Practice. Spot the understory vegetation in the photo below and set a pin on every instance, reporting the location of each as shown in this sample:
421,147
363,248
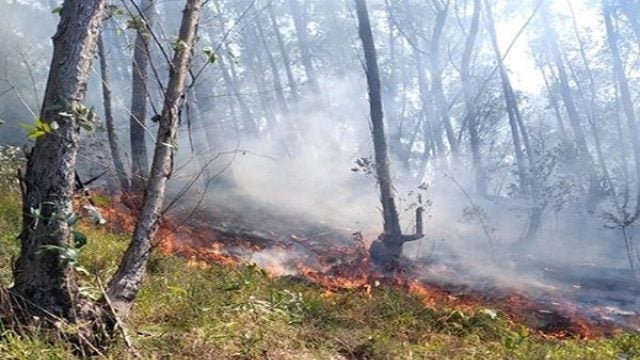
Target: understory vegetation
206,311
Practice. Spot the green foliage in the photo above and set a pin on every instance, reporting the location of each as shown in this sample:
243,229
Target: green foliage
39,128
57,10
86,117
136,23
178,45
210,54
114,10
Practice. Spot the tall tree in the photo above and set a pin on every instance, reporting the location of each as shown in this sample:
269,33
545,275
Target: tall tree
140,96
114,146
439,99
386,251
284,52
626,99
551,39
43,279
127,280
469,100
303,44
511,102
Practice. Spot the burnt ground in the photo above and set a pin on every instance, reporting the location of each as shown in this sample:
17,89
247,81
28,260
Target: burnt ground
575,301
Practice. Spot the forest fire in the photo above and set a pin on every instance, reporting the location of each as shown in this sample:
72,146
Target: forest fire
337,267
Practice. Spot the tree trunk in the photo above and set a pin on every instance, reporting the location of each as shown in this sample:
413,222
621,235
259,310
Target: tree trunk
570,106
126,282
285,54
43,279
116,155
303,43
139,98
439,98
469,101
625,96
387,250
511,103
275,72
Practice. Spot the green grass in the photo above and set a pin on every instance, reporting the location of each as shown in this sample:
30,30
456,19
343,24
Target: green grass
184,312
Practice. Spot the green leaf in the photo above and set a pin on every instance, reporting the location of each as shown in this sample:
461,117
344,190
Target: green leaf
210,54
38,129
178,45
57,10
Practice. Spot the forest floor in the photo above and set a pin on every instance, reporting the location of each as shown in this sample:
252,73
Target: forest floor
189,309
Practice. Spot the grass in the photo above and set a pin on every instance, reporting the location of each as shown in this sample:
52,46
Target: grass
216,312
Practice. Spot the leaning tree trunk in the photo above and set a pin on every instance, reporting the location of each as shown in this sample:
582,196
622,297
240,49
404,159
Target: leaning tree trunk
126,282
139,97
386,251
43,279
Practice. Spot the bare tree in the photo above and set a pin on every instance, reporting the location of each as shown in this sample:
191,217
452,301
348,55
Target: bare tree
116,155
385,251
303,44
127,280
469,100
139,98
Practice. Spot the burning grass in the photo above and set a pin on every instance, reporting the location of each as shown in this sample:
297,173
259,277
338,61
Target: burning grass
196,307
343,264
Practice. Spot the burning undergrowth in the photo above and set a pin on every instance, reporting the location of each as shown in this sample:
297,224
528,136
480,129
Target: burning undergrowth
338,259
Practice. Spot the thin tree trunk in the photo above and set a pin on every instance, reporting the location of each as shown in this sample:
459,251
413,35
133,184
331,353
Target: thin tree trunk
439,98
513,110
567,98
275,72
285,54
116,155
139,98
385,252
43,279
469,101
127,280
303,43
625,96
593,116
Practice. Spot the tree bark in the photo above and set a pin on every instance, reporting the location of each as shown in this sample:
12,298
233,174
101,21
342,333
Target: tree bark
43,278
127,280
139,98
